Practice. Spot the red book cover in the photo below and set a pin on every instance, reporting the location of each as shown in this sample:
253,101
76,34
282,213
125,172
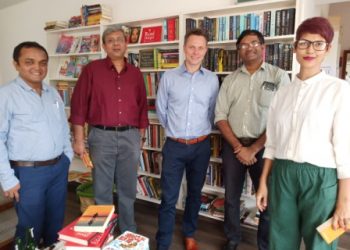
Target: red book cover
93,246
85,238
151,34
171,29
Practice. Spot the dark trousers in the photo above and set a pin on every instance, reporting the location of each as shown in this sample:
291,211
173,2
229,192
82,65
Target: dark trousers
234,176
177,158
42,199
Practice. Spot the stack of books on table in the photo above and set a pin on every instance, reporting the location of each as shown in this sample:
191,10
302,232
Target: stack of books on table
92,230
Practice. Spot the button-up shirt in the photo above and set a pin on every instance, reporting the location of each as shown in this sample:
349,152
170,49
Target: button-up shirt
32,127
309,121
244,98
186,101
105,97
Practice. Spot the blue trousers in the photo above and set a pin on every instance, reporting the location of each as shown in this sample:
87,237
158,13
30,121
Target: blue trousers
177,158
234,176
42,199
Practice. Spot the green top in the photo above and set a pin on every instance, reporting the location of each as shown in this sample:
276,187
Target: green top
244,99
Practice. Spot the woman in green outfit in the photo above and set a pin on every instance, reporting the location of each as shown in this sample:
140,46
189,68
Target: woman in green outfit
306,175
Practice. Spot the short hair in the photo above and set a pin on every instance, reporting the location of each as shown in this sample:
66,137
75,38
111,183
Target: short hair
111,30
196,32
28,44
316,25
249,33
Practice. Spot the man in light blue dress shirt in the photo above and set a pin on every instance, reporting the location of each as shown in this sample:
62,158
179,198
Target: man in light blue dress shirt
185,107
35,148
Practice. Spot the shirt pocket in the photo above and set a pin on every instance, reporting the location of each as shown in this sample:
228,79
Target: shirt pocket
265,97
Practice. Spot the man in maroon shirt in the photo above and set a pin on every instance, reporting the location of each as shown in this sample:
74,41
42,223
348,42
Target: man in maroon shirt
110,96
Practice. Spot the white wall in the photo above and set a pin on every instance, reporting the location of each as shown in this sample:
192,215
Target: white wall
342,10
25,21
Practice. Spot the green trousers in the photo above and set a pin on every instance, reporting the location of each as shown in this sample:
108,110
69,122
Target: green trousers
301,197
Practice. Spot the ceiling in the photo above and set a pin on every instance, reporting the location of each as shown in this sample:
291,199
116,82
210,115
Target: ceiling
7,3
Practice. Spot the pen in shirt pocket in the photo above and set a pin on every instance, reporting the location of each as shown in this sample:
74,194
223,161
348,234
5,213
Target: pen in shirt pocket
56,103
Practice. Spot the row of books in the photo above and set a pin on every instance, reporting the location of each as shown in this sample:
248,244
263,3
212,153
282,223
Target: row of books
158,58
226,60
151,161
71,67
149,187
55,25
78,44
95,14
66,91
214,176
155,136
215,145
152,80
269,23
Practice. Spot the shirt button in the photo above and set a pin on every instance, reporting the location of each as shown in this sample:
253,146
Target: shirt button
120,112
119,88
119,100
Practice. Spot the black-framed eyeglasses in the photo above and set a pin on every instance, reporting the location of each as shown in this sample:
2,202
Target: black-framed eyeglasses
305,44
247,45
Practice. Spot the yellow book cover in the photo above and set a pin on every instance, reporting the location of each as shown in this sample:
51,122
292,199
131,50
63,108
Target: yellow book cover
95,219
328,233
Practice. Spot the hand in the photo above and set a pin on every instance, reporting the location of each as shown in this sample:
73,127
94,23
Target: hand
142,142
246,156
13,192
79,148
341,216
261,197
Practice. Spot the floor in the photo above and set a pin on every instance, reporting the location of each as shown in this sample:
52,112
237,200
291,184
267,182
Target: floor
209,234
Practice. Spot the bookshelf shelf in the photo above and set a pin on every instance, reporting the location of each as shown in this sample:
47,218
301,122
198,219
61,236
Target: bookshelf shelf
215,159
146,198
208,188
155,44
75,29
64,79
75,54
152,149
152,70
140,172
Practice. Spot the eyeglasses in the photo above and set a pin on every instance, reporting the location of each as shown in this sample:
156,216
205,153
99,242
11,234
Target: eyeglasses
305,44
117,40
247,45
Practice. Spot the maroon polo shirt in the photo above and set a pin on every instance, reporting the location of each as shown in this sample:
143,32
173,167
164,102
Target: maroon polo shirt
102,96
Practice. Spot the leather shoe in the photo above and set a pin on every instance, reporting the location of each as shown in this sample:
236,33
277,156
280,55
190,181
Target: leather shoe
190,244
230,246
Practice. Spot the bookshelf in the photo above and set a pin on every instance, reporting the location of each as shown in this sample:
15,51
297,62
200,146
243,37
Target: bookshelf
220,41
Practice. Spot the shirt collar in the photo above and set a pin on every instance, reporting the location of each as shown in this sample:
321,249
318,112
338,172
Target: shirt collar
183,69
244,69
111,65
311,80
19,80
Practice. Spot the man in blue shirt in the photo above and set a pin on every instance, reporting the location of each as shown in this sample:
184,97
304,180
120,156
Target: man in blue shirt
185,106
35,148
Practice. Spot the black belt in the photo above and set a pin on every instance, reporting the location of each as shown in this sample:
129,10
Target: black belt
35,163
246,141
119,129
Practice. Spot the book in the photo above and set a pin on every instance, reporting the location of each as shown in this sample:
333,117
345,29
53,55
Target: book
130,241
92,246
134,34
95,218
64,44
151,34
328,233
86,238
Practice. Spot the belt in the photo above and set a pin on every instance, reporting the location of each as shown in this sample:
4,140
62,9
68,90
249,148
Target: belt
34,163
246,141
119,129
190,141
